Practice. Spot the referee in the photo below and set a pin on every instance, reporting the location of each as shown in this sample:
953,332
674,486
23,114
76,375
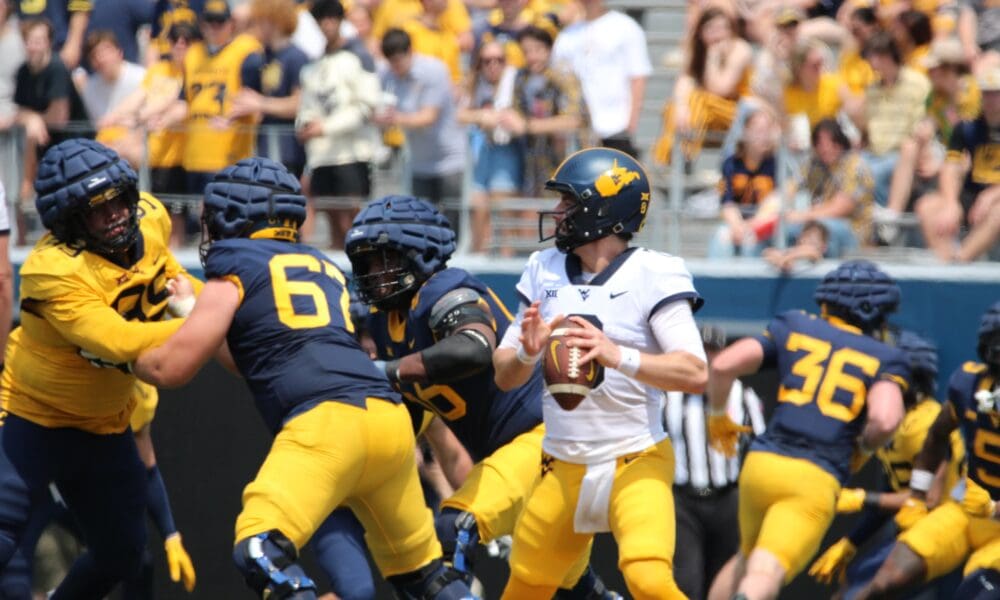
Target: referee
705,494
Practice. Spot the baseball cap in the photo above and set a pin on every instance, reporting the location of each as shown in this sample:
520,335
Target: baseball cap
946,51
989,80
216,10
789,15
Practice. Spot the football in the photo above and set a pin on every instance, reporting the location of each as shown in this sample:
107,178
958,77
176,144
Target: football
567,379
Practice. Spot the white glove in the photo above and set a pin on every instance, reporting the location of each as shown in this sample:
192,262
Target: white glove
182,298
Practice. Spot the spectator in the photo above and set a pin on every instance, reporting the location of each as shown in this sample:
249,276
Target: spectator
979,30
339,98
124,18
167,13
612,73
497,155
705,480
911,31
144,113
811,245
705,97
748,180
213,72
12,49
393,14
954,97
67,20
426,111
329,15
270,92
967,200
502,25
547,108
46,102
811,90
839,190
862,24
893,106
112,80
361,17
430,38
770,66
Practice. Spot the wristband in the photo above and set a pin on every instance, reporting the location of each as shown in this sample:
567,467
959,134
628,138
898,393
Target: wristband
629,363
920,480
872,499
392,371
527,359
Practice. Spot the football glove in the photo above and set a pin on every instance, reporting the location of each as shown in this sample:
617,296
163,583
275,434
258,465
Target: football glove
850,500
181,567
831,566
912,511
977,503
182,298
724,434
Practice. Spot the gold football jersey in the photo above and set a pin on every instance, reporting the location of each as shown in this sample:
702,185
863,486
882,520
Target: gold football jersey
73,300
897,457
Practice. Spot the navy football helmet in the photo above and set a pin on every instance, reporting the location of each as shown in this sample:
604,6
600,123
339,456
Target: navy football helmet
610,192
257,197
77,175
860,293
923,357
395,244
988,346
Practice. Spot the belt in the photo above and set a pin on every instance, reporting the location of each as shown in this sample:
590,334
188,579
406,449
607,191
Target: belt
706,492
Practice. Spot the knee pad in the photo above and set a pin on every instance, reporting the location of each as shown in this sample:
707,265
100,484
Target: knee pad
267,561
981,584
588,587
433,581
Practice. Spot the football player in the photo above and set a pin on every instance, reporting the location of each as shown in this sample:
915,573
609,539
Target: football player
973,409
608,464
95,286
926,549
434,329
840,395
342,435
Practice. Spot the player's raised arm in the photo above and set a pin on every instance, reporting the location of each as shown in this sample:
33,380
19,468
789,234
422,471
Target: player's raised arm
885,412
521,348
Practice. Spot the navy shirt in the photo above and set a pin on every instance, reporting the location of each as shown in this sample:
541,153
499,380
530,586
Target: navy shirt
482,416
276,75
292,337
979,431
123,18
825,371
58,13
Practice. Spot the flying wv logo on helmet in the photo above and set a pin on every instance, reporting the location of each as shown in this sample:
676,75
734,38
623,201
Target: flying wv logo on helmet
609,194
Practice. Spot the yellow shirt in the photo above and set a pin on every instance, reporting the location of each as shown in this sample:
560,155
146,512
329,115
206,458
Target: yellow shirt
442,45
396,13
821,103
166,148
73,300
897,457
210,81
855,71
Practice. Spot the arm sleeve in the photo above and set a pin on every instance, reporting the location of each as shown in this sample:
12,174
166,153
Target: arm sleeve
159,502
60,85
957,143
250,71
770,347
675,329
726,183
21,87
80,6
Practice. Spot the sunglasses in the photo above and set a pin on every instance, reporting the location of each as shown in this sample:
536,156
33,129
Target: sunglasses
492,59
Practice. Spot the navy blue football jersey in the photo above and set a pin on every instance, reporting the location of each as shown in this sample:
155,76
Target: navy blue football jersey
980,430
292,337
482,416
825,369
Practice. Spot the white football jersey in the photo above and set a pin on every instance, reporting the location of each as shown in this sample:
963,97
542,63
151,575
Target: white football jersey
621,415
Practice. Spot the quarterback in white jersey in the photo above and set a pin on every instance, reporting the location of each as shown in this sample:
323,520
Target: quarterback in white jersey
608,465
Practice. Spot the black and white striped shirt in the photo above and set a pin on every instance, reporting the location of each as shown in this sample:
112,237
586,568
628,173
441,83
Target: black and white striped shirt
698,465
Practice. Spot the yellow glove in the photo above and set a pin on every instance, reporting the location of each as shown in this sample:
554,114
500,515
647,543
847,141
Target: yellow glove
723,434
912,511
850,500
977,502
830,567
179,562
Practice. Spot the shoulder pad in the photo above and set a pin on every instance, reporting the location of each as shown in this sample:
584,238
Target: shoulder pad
448,302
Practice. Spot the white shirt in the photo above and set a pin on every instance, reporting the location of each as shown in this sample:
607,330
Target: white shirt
100,96
642,302
605,55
